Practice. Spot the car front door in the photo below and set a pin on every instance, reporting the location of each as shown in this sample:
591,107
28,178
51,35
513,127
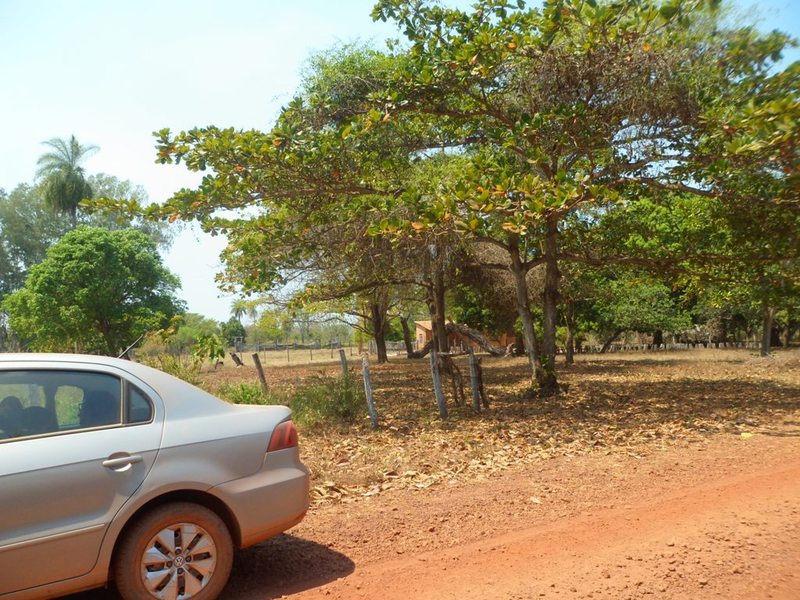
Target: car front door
61,485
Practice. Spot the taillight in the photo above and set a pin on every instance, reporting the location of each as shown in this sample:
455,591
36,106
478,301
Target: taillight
284,436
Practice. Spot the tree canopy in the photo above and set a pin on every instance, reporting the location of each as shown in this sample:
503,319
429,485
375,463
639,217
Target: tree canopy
551,135
96,291
63,177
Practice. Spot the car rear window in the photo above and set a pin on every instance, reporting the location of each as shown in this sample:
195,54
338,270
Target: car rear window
140,409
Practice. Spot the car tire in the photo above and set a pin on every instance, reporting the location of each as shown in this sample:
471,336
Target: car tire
178,551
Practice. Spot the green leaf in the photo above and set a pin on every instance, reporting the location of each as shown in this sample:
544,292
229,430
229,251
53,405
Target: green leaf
668,11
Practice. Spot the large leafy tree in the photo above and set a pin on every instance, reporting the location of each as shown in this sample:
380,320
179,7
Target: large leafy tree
326,196
28,227
573,105
561,107
544,113
63,177
96,291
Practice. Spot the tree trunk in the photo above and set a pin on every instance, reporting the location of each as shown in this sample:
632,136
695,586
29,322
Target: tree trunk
524,311
569,346
767,315
610,341
476,337
775,336
438,318
378,318
519,344
550,296
658,338
422,352
407,336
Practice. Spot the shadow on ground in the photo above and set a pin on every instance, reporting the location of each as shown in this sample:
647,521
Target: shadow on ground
283,565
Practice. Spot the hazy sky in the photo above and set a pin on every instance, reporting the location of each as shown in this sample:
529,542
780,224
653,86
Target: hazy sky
112,72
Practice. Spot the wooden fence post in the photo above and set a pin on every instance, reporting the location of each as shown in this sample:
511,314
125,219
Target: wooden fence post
373,416
437,385
343,358
260,371
473,380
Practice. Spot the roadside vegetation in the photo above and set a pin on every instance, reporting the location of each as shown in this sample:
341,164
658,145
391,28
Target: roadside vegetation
577,176
627,403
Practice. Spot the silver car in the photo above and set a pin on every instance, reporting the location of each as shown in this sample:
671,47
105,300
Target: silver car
111,471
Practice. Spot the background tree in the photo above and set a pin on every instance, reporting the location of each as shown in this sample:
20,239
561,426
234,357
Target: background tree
27,229
273,325
726,253
232,332
96,291
190,328
28,226
63,178
627,300
123,190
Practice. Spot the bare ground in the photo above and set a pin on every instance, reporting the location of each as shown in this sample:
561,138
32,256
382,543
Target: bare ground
712,520
658,476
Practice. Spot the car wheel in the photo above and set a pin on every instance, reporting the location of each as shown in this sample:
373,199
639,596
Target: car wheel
175,552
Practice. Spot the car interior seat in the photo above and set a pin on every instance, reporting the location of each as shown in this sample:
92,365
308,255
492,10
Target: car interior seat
37,419
11,416
99,408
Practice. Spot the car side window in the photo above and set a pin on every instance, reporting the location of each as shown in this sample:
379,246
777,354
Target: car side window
38,402
140,409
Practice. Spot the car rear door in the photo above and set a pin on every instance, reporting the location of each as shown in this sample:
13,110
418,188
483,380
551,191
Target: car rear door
60,488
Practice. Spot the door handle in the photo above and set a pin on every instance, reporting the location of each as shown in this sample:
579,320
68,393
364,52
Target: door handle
122,463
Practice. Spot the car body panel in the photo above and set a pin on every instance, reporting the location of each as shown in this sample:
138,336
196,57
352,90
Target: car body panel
195,443
63,500
271,500
56,496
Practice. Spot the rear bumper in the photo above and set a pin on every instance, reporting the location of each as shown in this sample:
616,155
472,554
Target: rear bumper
269,501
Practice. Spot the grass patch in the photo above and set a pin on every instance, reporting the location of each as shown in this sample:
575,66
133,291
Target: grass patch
325,400
320,401
243,393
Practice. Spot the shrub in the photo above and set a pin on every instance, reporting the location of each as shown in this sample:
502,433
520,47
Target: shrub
322,401
328,400
244,393
208,346
182,367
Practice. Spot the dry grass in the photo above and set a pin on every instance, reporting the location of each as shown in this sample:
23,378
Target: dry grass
632,403
295,358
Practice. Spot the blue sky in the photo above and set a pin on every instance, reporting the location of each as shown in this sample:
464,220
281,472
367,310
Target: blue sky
113,72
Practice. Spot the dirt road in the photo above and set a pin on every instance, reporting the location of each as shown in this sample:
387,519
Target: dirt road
674,476
711,519
715,518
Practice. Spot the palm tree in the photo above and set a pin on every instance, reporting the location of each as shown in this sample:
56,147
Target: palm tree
242,307
63,176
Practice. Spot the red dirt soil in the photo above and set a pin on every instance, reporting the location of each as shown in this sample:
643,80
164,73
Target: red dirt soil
716,519
665,477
